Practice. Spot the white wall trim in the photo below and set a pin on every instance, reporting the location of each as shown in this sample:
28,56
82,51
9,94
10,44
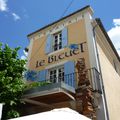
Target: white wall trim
29,52
91,42
56,28
56,64
93,58
54,52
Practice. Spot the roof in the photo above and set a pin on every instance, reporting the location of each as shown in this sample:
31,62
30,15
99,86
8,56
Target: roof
59,20
106,35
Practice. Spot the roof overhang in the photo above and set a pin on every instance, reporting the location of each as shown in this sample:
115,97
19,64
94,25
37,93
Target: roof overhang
97,22
84,9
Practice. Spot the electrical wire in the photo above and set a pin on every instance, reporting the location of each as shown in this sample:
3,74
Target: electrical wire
67,8
54,27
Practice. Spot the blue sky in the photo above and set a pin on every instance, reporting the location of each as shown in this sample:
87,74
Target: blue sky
18,18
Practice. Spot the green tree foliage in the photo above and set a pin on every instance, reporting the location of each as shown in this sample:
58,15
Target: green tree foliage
11,80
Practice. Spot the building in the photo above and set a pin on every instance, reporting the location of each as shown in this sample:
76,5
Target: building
76,65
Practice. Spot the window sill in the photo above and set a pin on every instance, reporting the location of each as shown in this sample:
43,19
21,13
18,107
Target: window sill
54,52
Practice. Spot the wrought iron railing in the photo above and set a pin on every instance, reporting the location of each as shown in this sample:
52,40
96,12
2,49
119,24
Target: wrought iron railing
56,47
95,79
71,79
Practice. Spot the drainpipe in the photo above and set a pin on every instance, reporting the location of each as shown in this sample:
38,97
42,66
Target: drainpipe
101,80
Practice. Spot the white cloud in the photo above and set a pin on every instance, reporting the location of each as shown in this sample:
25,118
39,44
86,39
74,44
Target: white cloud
4,8
3,5
25,13
23,57
15,16
25,53
114,34
116,22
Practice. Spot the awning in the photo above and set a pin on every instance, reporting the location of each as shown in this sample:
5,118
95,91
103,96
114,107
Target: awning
56,114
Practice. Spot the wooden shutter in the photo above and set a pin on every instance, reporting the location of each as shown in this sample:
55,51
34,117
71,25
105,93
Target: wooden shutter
69,71
31,75
48,44
64,37
42,75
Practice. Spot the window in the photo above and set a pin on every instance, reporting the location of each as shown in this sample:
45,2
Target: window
56,74
57,41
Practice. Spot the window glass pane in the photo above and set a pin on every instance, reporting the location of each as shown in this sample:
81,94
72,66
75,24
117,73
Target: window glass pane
60,35
56,37
54,71
60,43
57,43
51,72
61,74
60,47
57,74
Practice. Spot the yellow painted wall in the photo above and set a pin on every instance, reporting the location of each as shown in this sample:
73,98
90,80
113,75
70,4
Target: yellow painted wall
76,34
108,51
38,52
111,81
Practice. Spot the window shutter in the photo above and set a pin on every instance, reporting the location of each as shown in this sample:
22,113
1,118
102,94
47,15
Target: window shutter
31,75
64,37
69,71
48,44
42,75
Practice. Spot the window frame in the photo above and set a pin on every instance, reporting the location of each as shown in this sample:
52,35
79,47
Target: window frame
57,41
56,77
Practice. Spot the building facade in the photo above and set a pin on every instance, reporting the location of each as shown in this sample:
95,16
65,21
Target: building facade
74,64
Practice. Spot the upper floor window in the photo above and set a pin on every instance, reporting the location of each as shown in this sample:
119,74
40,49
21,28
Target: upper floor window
57,41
